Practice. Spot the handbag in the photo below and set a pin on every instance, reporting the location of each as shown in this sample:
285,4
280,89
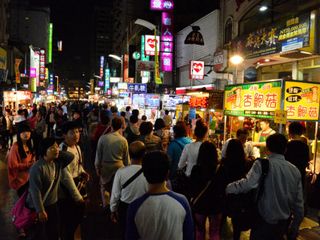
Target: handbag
243,208
23,217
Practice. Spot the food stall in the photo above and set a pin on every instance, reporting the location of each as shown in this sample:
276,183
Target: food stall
12,99
280,101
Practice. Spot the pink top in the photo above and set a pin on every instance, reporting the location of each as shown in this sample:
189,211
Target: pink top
18,169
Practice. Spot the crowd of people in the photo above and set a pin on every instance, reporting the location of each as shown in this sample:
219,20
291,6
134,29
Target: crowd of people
154,184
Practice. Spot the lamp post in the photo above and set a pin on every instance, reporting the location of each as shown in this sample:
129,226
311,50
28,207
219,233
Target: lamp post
236,60
119,59
151,27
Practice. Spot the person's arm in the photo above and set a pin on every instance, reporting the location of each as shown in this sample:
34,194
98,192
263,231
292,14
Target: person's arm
184,158
131,228
298,212
251,181
68,183
65,158
35,186
188,229
99,152
126,158
116,193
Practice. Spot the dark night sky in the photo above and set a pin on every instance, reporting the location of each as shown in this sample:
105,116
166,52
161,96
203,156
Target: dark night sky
72,19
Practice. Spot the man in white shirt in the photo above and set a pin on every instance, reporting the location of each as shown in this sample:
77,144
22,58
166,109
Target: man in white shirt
129,184
71,214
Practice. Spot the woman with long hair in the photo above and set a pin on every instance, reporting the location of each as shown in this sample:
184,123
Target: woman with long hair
190,152
208,190
20,159
234,167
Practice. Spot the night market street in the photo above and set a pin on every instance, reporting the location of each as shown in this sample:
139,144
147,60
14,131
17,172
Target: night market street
97,225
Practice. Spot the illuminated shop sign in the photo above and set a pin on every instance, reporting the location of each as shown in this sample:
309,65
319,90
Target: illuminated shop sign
161,5
302,100
197,70
294,33
253,100
150,45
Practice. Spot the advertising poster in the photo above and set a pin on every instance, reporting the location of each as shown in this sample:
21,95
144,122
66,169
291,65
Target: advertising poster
284,36
253,100
302,100
152,101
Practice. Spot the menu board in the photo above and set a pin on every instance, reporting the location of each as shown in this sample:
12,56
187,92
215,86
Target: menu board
302,100
258,99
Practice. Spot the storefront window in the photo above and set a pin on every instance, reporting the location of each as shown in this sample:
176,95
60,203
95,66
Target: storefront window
277,9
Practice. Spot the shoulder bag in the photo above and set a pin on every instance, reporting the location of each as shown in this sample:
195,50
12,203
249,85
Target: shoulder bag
23,217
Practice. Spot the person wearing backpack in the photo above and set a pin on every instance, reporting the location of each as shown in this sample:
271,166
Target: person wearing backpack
129,184
176,146
281,196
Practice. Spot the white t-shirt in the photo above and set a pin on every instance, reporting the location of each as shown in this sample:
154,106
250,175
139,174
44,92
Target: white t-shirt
75,167
135,189
249,150
162,216
189,156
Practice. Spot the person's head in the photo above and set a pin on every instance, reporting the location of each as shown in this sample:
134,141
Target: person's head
207,159
23,132
166,112
24,138
295,129
144,118
200,130
71,134
145,128
159,124
135,112
116,123
134,119
264,125
277,143
242,135
49,149
114,110
76,115
297,152
235,156
180,130
104,118
128,108
34,112
155,167
123,114
137,150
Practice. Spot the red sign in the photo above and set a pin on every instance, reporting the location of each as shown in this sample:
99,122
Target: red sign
126,68
198,102
197,70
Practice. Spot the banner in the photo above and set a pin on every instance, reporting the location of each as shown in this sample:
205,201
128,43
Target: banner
283,36
253,100
16,68
302,100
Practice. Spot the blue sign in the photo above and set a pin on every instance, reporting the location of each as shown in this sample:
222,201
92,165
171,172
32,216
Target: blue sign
192,113
292,44
137,88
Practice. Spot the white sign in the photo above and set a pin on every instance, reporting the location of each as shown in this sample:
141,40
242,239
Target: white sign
115,79
150,45
197,70
123,85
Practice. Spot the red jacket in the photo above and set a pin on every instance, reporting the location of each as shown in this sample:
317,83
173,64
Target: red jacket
18,169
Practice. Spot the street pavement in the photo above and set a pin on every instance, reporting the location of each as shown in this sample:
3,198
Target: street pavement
96,224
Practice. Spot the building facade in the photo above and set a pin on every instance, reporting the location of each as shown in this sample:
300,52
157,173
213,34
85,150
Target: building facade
277,39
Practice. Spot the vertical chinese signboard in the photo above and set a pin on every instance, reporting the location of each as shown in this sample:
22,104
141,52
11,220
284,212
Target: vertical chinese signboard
253,100
302,100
